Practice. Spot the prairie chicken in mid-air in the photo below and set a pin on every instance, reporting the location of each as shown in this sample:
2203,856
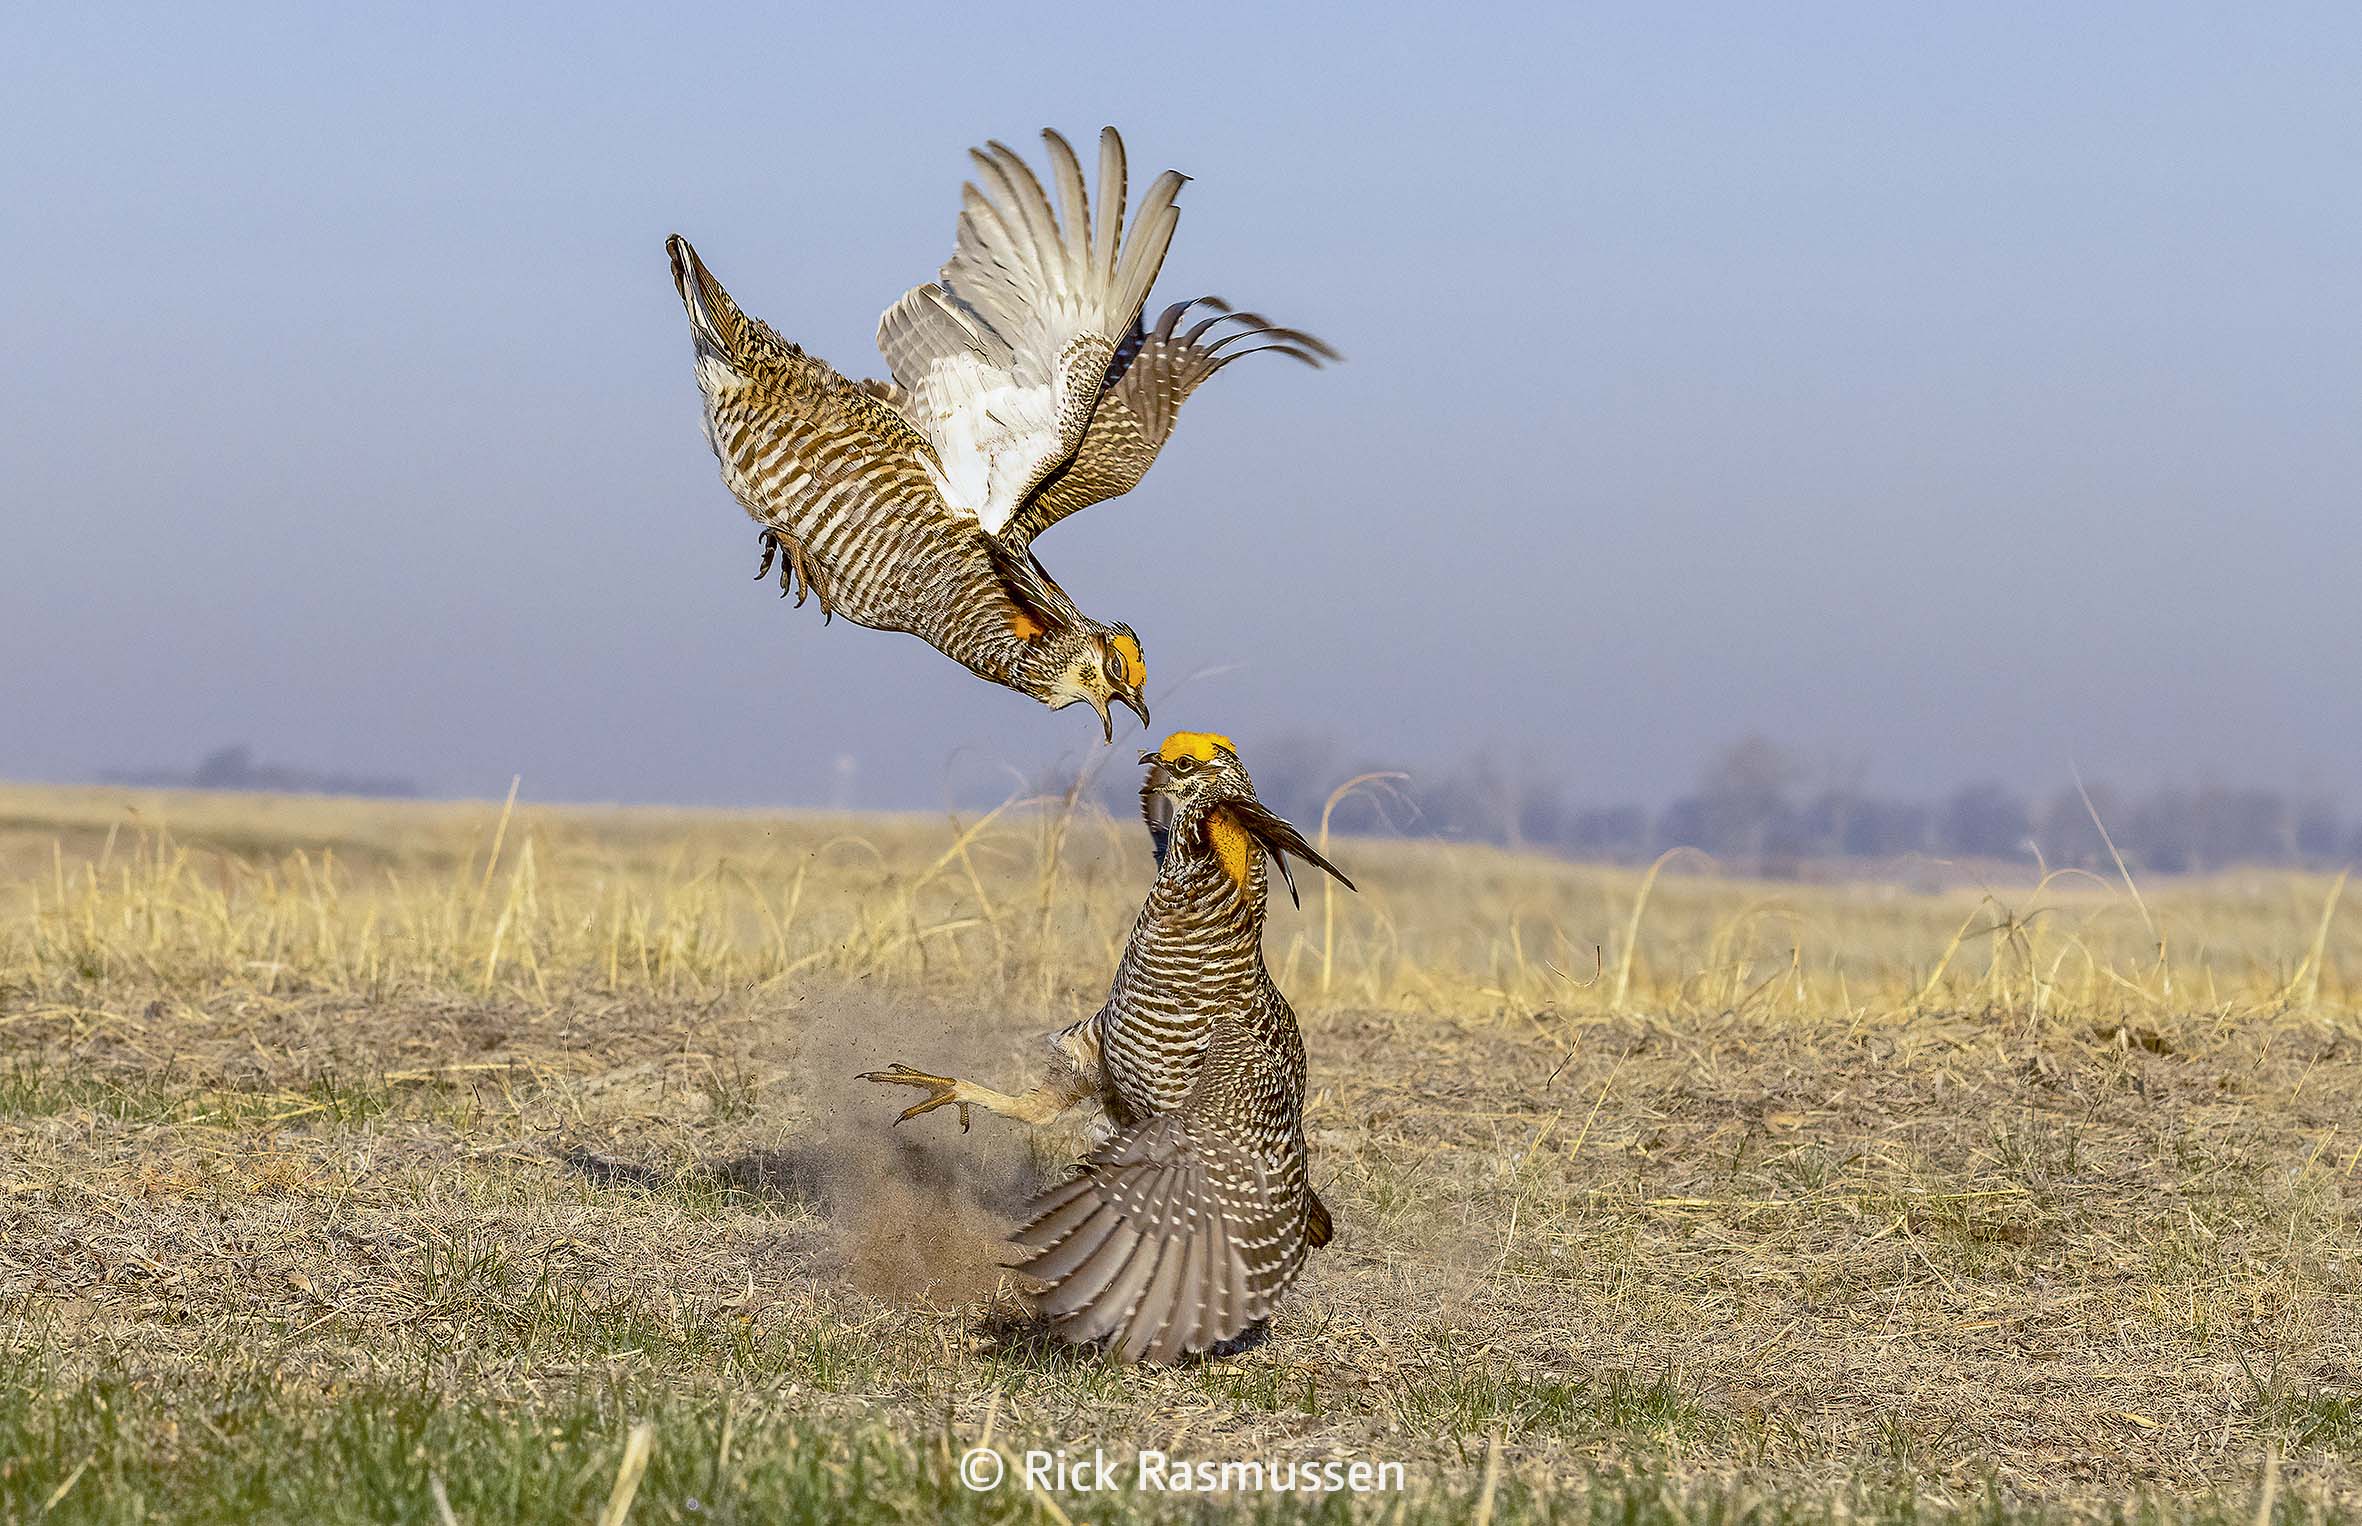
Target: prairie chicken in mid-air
1025,387
1183,1229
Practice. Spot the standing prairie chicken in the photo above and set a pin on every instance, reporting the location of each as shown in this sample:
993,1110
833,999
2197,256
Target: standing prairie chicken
1183,1229
1025,387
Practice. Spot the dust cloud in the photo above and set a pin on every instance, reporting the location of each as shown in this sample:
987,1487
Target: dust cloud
919,1213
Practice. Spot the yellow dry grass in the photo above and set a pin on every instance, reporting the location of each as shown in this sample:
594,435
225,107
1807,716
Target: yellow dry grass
189,892
2046,1188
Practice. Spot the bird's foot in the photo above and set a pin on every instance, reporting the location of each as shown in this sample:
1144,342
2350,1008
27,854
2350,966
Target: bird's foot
790,558
945,1092
795,571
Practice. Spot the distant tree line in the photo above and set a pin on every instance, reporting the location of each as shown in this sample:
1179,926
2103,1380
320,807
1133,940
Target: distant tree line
1758,806
235,768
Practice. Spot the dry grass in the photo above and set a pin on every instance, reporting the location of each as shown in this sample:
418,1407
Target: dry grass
494,1131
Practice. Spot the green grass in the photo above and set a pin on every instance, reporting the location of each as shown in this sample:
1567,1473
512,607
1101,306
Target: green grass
35,1086
261,1447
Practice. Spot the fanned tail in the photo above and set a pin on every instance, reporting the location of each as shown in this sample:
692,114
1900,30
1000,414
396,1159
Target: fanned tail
1167,1243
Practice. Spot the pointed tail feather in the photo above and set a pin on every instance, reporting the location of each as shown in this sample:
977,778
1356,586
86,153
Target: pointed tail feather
1319,1228
714,319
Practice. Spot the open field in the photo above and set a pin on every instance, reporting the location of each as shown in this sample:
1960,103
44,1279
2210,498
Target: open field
356,1158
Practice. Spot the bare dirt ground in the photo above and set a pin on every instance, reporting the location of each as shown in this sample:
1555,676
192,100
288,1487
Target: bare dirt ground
1830,1208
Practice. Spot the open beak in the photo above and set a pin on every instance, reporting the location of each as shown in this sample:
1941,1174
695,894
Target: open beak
1129,700
1281,841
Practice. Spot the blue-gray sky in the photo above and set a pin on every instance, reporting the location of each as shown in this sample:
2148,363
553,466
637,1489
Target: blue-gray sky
1966,390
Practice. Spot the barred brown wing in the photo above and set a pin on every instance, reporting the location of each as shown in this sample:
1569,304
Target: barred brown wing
1154,372
845,484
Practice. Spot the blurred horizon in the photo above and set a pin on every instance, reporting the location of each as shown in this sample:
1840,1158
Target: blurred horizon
1943,397
1753,806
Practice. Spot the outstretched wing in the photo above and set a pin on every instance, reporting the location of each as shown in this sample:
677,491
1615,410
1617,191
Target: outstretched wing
1002,359
842,486
1154,372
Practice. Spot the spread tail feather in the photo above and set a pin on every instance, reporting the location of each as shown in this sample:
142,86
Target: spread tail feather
1167,1243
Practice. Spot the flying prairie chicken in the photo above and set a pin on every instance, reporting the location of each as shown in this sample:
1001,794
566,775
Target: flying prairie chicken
1180,1232
1025,387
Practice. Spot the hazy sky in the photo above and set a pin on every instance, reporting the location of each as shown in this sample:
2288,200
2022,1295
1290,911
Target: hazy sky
1961,391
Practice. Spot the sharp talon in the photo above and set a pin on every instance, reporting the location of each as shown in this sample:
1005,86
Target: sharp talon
941,1089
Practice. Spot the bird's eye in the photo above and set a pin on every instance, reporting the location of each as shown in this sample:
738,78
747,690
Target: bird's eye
1184,765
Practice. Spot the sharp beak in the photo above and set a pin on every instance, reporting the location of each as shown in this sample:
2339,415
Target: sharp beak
1138,705
1106,721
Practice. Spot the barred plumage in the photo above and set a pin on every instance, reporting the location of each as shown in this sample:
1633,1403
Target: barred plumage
1025,387
840,482
1182,1231
1154,371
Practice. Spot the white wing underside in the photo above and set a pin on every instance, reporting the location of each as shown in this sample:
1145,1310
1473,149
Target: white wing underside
1003,358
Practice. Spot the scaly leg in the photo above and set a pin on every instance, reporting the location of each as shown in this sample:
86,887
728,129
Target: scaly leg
1057,1093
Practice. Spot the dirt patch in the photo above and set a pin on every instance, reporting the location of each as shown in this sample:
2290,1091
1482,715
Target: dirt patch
920,1211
